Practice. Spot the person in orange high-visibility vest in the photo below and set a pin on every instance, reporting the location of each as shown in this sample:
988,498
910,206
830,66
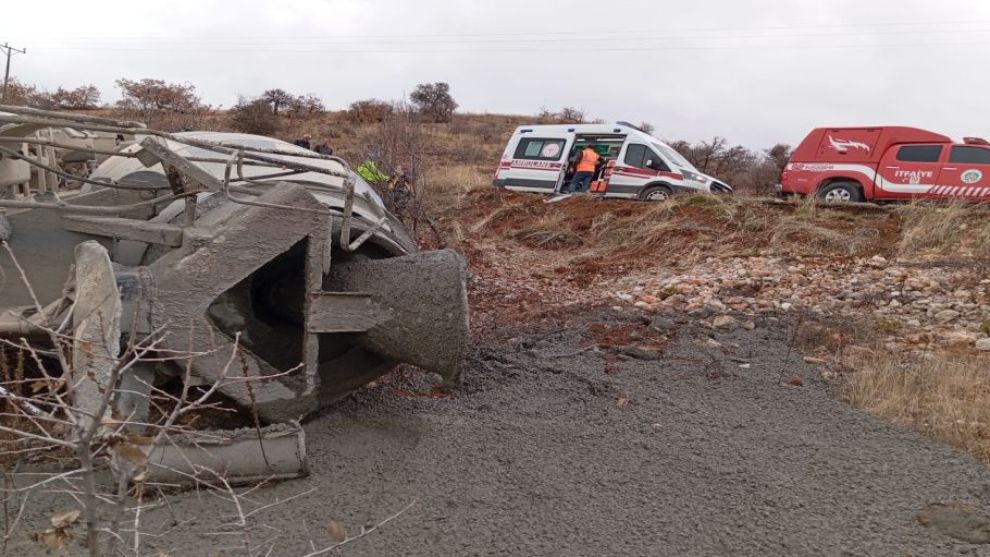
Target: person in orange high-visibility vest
586,163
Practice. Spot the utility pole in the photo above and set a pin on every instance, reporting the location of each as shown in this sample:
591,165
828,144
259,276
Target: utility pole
9,50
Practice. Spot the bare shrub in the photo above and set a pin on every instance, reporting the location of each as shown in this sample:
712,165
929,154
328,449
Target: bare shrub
146,95
85,97
370,111
305,106
253,116
398,150
434,102
746,170
277,99
166,106
571,115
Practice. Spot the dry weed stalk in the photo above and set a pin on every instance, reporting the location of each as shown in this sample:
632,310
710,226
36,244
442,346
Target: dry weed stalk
51,427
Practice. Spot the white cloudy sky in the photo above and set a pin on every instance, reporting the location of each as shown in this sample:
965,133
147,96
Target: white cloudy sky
755,71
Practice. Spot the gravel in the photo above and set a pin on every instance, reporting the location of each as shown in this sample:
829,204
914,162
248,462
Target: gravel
930,304
707,451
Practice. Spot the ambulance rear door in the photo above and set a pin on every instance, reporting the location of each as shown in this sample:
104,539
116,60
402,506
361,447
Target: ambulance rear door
537,164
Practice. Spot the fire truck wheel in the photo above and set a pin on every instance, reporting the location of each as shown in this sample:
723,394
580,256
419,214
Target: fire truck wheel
656,193
840,192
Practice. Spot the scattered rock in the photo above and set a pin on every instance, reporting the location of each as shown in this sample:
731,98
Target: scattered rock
724,322
638,353
931,300
946,316
983,345
663,324
878,262
794,381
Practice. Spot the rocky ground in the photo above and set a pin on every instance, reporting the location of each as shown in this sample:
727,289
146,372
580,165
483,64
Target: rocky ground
918,306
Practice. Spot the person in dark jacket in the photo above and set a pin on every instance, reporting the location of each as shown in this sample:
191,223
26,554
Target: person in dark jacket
304,142
324,147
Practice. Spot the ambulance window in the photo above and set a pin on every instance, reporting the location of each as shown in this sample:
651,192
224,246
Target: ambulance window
640,155
636,155
970,155
919,153
534,148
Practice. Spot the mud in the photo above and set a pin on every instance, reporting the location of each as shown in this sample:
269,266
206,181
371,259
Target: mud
554,447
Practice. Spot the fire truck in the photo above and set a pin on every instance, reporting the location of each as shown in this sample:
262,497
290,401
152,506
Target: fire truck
887,164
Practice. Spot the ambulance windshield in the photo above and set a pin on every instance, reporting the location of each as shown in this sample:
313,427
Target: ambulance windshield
674,157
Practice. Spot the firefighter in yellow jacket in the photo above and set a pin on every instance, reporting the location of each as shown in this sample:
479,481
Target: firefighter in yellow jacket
586,163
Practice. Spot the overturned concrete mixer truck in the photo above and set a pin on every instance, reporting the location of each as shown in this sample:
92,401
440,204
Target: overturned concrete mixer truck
224,247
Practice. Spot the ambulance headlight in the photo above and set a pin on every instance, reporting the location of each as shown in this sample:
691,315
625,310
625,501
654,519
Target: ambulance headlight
694,177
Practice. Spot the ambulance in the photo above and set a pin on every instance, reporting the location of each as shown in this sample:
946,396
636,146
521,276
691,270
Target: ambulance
887,164
638,165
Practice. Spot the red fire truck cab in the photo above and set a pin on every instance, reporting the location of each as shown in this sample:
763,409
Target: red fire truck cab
887,164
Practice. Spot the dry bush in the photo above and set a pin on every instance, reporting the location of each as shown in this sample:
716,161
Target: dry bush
155,94
277,99
443,187
946,397
549,232
948,229
370,111
718,206
566,115
305,106
84,97
434,102
253,116
806,236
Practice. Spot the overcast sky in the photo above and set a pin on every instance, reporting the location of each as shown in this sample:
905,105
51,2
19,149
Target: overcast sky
755,71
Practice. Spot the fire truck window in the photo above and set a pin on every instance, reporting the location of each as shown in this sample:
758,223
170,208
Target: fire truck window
970,155
919,153
636,155
533,148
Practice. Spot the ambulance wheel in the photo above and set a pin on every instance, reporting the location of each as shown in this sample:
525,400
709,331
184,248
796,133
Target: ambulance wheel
656,193
841,192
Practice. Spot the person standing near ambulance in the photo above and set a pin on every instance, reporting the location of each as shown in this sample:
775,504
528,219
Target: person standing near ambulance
586,163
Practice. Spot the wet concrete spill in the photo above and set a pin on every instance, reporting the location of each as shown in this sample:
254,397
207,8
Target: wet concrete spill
562,443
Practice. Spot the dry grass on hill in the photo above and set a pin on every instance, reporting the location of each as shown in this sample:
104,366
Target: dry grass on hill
945,396
637,234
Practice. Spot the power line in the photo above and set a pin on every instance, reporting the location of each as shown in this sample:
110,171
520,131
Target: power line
9,51
509,49
192,43
502,43
926,25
